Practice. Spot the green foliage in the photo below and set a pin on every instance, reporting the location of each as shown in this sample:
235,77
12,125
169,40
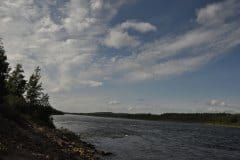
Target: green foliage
13,104
16,81
35,94
215,118
44,101
15,101
3,72
34,87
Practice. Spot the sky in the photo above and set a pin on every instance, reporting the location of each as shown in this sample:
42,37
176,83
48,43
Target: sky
133,56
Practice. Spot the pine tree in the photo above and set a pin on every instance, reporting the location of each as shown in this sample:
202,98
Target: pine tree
3,72
16,81
34,88
44,101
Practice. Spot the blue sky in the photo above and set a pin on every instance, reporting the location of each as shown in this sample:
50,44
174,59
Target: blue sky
129,55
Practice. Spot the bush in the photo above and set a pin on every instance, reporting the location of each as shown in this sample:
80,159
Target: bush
9,112
16,101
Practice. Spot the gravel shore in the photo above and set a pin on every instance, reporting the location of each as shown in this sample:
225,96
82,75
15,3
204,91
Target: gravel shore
29,141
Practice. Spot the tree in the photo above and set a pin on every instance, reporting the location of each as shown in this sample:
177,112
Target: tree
34,87
3,72
44,101
16,81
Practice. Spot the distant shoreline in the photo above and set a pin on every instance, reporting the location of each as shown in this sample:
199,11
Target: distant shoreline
223,125
213,119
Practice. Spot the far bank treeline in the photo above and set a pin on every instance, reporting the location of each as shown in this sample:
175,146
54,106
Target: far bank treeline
210,118
20,97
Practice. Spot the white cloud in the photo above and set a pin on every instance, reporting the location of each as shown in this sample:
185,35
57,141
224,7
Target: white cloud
118,39
215,109
69,45
96,4
186,52
216,102
113,102
217,13
130,109
118,36
142,27
95,83
61,38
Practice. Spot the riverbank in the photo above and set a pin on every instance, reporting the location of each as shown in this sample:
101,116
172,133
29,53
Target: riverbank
223,125
216,119
26,140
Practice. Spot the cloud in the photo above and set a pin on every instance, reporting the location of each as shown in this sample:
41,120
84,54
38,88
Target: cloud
95,83
215,109
130,108
138,72
217,13
64,39
61,37
113,102
215,102
118,39
142,27
118,36
66,44
186,52
96,4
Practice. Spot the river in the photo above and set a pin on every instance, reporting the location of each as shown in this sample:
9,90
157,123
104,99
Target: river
153,140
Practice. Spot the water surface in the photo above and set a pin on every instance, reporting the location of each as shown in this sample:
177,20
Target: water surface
154,140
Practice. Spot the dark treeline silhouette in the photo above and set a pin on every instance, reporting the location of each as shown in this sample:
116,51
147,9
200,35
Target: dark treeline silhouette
214,118
22,98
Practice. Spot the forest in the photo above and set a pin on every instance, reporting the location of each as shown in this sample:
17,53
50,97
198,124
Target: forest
21,98
210,118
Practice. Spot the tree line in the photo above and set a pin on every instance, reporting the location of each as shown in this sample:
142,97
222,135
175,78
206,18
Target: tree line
215,118
21,95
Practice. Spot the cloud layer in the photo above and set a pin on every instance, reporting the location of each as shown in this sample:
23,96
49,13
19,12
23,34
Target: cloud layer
178,54
61,37
64,39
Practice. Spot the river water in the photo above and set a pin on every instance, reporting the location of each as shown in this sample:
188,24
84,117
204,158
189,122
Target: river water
153,140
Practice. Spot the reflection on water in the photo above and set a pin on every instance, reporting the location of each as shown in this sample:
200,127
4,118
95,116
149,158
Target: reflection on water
152,140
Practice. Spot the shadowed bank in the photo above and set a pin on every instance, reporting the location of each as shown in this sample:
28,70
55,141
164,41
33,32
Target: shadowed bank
27,131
